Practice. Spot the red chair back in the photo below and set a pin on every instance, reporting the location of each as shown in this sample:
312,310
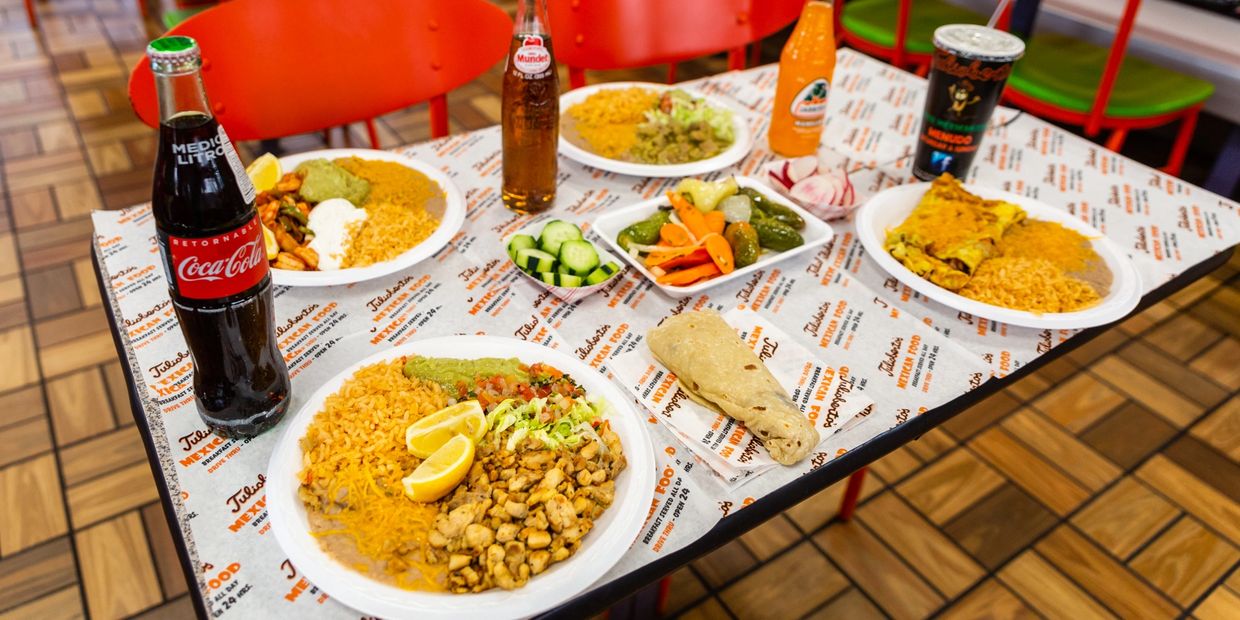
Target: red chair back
620,34
275,68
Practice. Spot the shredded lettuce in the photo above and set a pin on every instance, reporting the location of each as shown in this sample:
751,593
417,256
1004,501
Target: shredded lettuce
568,427
688,110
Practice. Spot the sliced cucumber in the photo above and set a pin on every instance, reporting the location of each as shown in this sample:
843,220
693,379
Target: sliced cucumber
532,259
562,268
580,257
547,277
518,243
600,275
567,279
555,233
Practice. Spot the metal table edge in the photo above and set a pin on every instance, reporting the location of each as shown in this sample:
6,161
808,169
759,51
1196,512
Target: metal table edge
603,596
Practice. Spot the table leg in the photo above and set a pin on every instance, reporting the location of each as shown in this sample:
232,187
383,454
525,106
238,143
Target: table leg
852,492
646,603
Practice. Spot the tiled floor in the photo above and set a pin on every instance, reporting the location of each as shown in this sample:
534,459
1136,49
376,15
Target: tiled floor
1105,485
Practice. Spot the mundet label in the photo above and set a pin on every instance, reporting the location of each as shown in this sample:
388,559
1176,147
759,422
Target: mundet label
219,266
532,58
810,105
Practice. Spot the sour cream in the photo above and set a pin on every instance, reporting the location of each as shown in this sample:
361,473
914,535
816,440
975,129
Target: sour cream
331,222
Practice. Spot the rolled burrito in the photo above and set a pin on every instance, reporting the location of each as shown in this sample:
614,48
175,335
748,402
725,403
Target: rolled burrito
717,369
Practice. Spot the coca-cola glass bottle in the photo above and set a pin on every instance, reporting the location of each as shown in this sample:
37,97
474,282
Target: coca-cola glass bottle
214,257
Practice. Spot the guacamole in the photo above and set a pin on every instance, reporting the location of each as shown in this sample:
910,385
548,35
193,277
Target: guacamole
448,371
323,180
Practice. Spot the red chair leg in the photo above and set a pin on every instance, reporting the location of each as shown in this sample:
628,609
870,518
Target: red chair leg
32,14
736,58
142,10
1116,141
922,69
439,116
755,53
665,587
852,493
373,133
1179,149
576,77
671,73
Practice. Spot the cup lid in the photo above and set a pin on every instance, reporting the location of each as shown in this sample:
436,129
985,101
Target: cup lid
979,42
175,54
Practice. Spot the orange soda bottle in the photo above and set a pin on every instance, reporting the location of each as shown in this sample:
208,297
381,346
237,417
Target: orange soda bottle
805,69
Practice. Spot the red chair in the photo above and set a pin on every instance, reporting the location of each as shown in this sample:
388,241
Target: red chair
622,34
276,68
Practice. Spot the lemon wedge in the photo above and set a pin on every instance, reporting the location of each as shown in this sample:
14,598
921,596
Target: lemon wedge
269,242
442,471
427,435
265,172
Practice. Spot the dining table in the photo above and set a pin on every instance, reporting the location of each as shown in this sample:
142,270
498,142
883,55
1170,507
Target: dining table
902,364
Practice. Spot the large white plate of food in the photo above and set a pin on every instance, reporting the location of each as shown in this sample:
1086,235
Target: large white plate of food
998,255
339,216
464,476
651,130
706,233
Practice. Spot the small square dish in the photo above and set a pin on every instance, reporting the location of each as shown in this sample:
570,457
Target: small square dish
812,234
555,255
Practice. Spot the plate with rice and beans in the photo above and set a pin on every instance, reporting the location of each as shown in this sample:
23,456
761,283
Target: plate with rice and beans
999,255
339,216
461,476
651,130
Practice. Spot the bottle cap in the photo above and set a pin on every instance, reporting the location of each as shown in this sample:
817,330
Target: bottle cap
175,54
979,42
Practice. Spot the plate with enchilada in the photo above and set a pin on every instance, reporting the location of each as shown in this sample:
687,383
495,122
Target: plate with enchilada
999,255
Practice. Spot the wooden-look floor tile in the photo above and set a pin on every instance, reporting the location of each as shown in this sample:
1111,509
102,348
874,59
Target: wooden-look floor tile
896,465
771,537
8,255
12,290
78,404
803,570
1129,434
874,568
24,439
991,600
33,207
37,572
1049,591
1079,402
100,455
87,286
21,405
981,415
821,507
111,494
76,199
44,170
851,604
1186,560
1000,525
685,588
109,158
1220,310
18,143
1124,518
725,563
70,326
1041,479
1101,344
118,393
1219,363
57,136
167,563
1062,448
17,349
949,485
710,609
1145,389
52,291
1148,318
1113,584
938,559
1206,463
1221,429
1194,292
87,103
1173,372
76,354
65,604
1190,493
1030,387
33,511
1183,337
930,445
1222,604
118,576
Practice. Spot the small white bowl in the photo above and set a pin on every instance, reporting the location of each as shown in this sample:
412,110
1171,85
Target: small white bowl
568,294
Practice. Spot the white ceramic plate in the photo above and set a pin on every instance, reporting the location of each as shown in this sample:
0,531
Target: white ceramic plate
450,222
890,207
740,145
611,537
816,233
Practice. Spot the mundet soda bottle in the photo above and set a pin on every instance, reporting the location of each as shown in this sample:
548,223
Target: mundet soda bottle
211,241
805,70
531,113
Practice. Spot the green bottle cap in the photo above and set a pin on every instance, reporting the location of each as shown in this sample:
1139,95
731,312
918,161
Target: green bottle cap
176,54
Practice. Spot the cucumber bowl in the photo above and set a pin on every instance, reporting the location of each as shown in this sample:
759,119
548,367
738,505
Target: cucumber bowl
555,255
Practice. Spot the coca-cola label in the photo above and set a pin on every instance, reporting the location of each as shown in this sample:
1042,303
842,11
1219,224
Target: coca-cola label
532,58
202,151
243,179
219,266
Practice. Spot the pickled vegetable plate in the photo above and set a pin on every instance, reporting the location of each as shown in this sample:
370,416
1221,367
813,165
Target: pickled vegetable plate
609,226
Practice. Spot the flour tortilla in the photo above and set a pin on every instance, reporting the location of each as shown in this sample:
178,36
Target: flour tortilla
717,369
